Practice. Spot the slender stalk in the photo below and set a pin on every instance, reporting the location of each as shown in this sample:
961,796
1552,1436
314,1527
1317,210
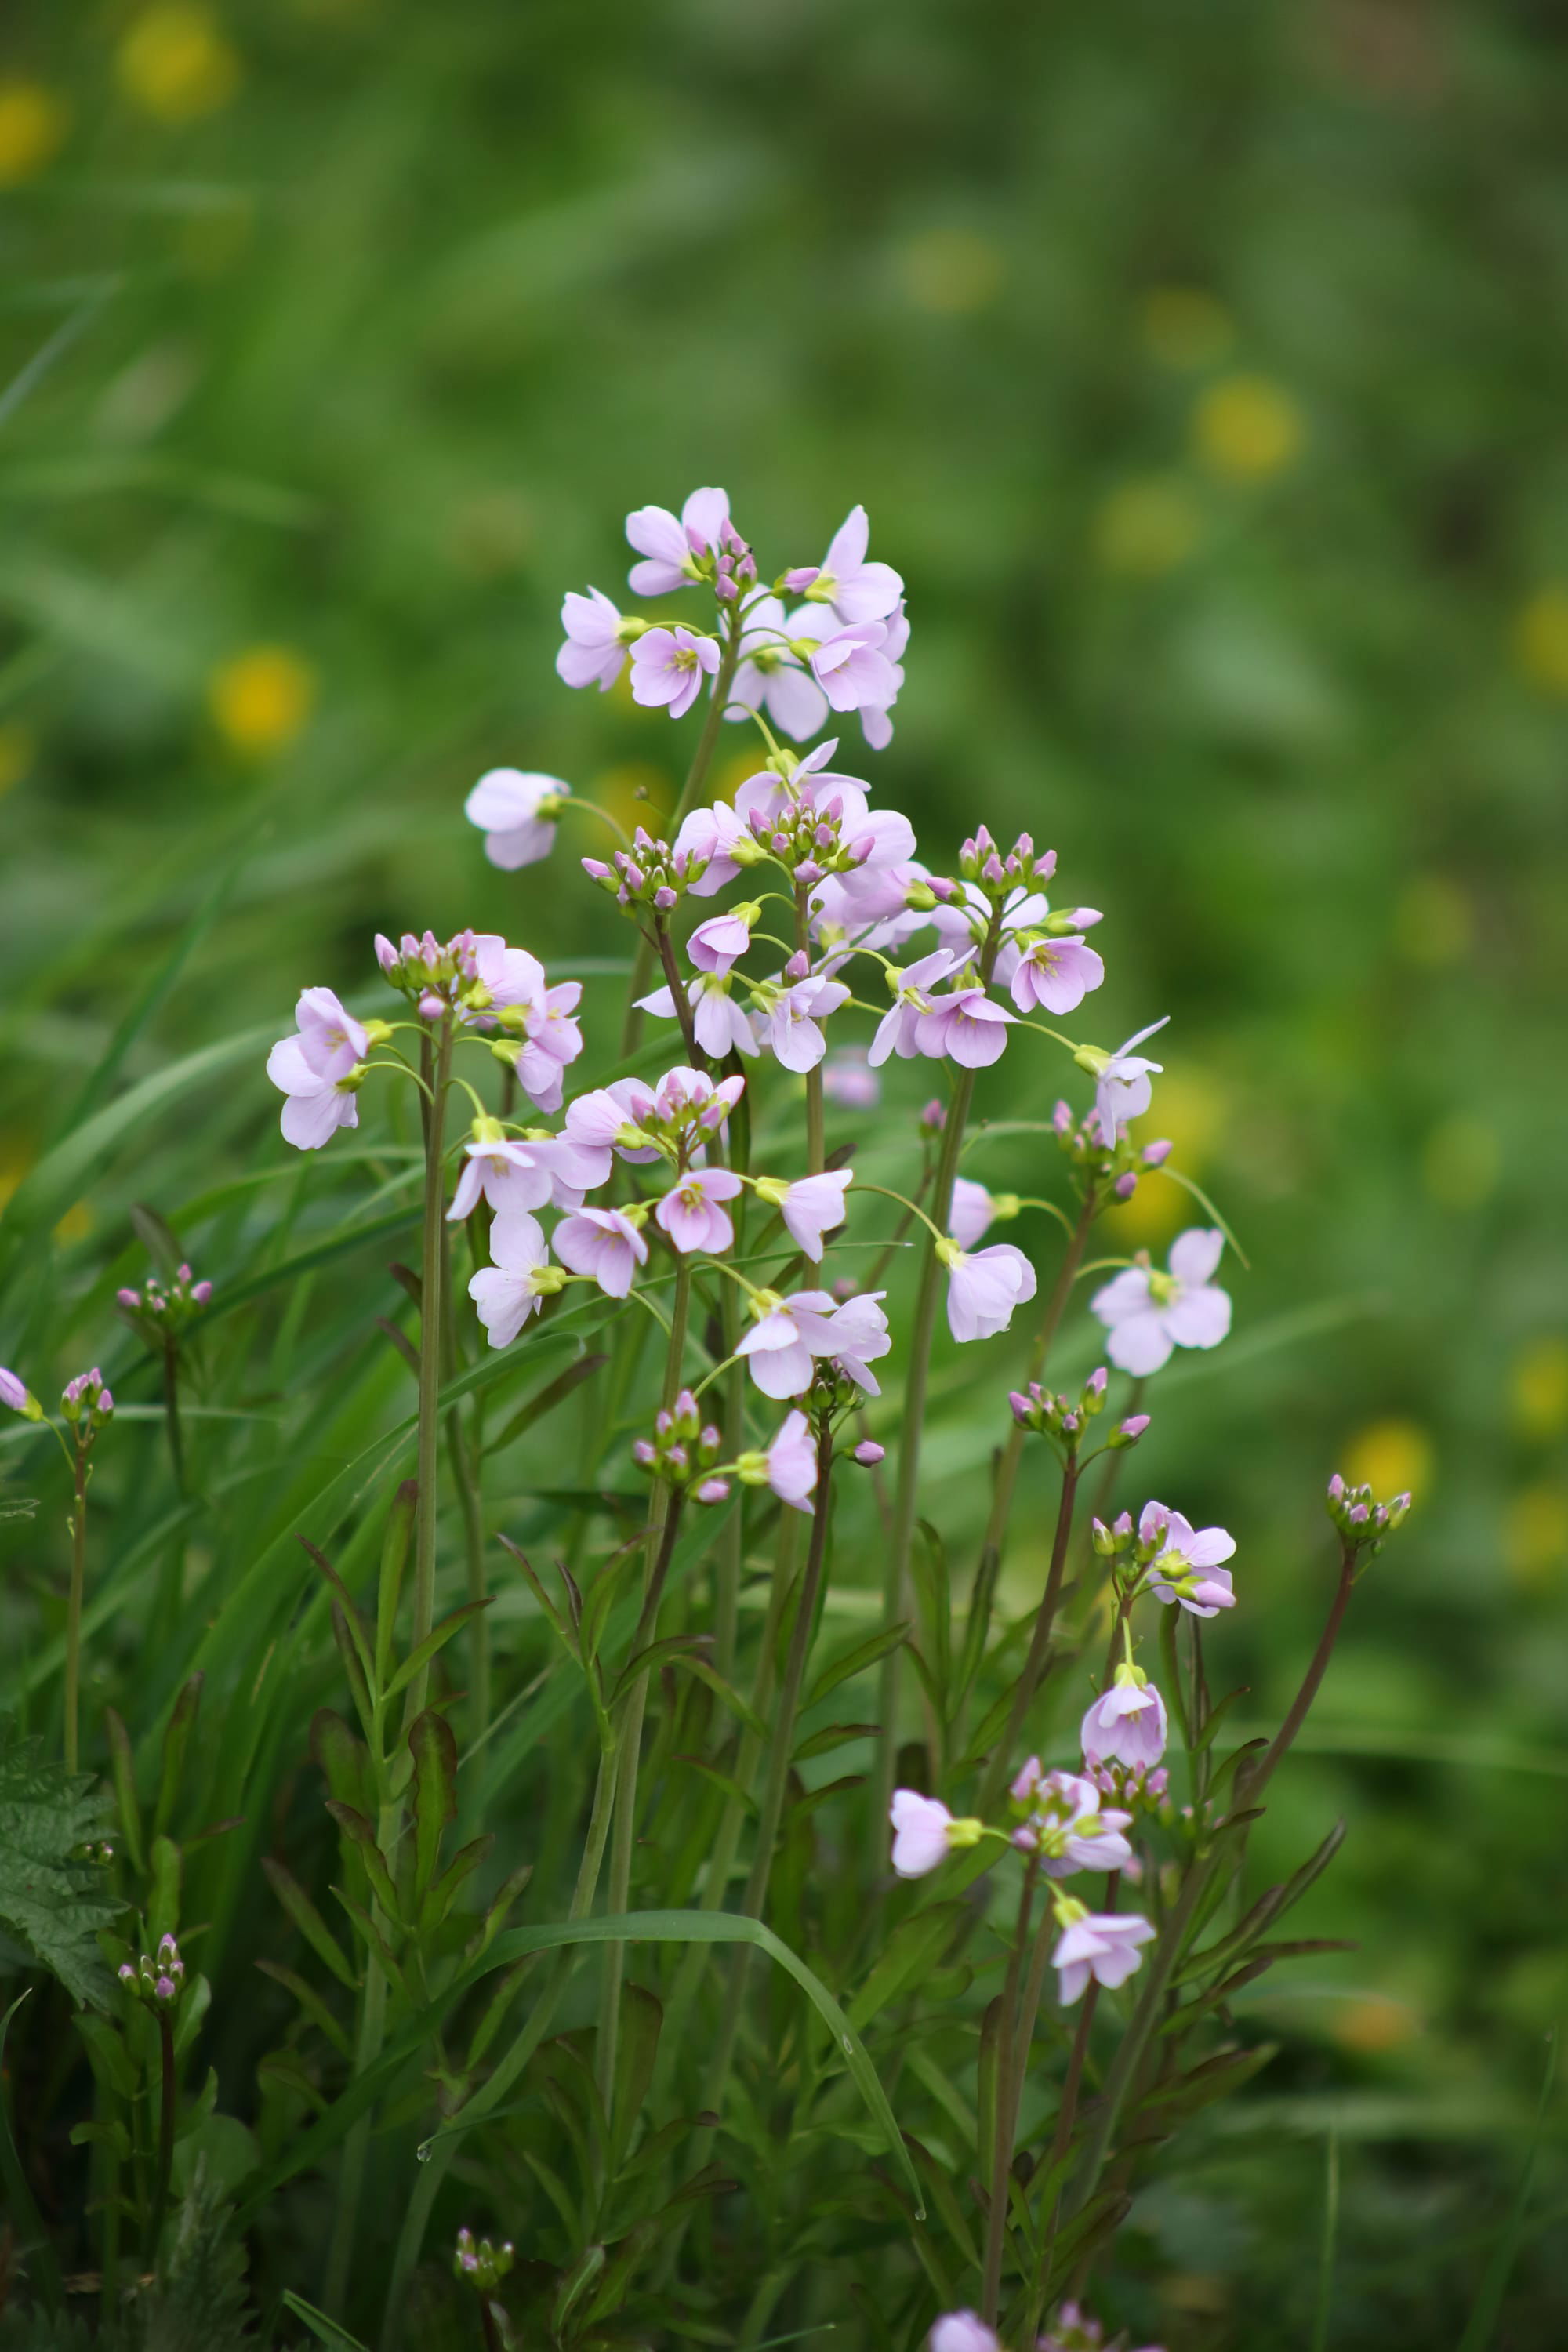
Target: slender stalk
1010,2063
1039,1643
166,2136
695,776
780,1747
628,1747
172,1408
487,2322
679,997
1066,2118
74,1603
1013,1452
1263,1772
436,1063
816,1130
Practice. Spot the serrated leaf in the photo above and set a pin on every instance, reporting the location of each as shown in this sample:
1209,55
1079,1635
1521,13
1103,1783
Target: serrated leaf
52,1906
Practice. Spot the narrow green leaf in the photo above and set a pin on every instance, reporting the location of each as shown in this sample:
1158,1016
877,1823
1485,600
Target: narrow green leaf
177,1742
325,2330
419,1657
362,1837
308,1920
636,2053
433,1796
122,1771
858,1659
1482,2322
555,1393
310,2001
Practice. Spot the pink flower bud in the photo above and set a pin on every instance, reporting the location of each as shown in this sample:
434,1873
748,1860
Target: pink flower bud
869,1453
1125,1186
202,1293
802,577
1154,1155
664,898
711,1490
798,966
130,1299
431,1006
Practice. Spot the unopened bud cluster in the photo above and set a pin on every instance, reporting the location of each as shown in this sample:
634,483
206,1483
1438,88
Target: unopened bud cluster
649,874
683,1450
481,2262
981,860
1081,1142
436,974
158,1978
86,1404
162,1310
1064,1418
1141,1787
1365,1524
806,835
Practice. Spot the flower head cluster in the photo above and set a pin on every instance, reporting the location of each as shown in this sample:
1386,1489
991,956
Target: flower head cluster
1072,2330
86,1404
518,812
162,1310
1363,1523
683,1450
1126,1724
1060,1821
481,2263
159,1977
649,874
1063,1418
790,1335
1167,1555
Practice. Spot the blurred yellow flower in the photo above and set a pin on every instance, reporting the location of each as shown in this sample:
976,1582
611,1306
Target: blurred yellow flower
75,1225
262,698
33,125
1246,427
1538,1388
1460,1163
1535,1535
17,752
1147,526
1432,923
1191,1110
636,793
1540,638
176,62
952,271
1184,326
1391,1458
1374,2023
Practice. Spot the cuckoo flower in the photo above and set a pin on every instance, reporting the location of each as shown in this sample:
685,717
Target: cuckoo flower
975,1210
595,652
967,1026
787,1337
1104,1945
810,1207
983,1287
14,1394
771,676
899,1029
852,668
788,1467
875,724
1147,1313
857,590
678,553
925,1832
517,812
517,1176
719,943
1122,1089
1187,1566
718,1023
506,1293
962,2331
319,1069
859,1333
1126,1724
1063,1823
794,1012
1055,975
609,1118
606,1245
719,840
692,1212
669,667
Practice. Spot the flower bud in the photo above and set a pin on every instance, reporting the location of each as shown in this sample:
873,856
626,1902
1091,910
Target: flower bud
1154,1155
1129,1432
1125,1185
869,1453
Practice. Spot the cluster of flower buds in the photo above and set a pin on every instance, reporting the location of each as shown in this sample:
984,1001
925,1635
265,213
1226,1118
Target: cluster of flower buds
1081,1142
433,971
1059,1818
99,1852
679,1115
480,2262
683,1450
1063,1418
159,1979
161,1311
17,1397
1141,1787
86,1404
649,874
981,860
1365,1524
1071,2330
805,831
734,566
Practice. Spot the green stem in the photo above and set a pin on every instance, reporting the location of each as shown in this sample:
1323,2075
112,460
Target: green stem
1011,2061
74,1603
696,775
1003,1754
1258,1779
1066,2118
166,2136
1013,1452
435,1063
172,1410
816,1129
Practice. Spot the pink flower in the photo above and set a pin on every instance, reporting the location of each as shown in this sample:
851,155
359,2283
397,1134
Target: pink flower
922,1827
609,1117
1064,1823
973,1211
718,1023
14,1392
669,667
962,2331
771,676
794,1013
1186,1567
983,1287
898,1031
516,1177
1104,1944
1055,975
859,1333
318,1070
595,652
967,1026
722,939
853,670
849,1080
517,814
670,546
787,1337
1147,1314
810,1207
857,590
1122,1080
684,1095
330,1039
690,1214
603,1243
1126,1724
506,1293
710,835
789,1466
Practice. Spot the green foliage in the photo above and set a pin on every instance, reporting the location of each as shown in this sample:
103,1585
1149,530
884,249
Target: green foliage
52,1902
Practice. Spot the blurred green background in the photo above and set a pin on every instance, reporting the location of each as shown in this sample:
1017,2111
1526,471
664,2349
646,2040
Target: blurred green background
1201,367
